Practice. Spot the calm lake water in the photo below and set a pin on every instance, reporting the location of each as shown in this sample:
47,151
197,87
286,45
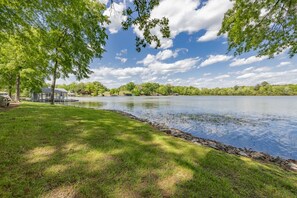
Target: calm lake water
267,124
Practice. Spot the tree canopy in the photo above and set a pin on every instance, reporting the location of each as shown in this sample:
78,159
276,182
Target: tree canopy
74,35
267,26
21,59
70,34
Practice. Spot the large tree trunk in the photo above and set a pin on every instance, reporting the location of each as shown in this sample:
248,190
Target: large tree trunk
18,90
52,99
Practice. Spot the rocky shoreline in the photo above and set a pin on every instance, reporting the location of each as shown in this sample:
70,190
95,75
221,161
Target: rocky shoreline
287,164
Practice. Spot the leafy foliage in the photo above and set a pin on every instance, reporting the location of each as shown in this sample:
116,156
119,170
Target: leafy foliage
69,34
74,35
91,88
140,16
269,26
150,89
21,58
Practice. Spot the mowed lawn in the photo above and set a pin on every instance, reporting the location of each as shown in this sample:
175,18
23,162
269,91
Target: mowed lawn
59,151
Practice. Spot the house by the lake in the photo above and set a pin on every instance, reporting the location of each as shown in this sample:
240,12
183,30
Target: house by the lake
61,95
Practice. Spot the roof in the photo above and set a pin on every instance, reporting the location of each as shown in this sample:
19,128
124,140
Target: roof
57,90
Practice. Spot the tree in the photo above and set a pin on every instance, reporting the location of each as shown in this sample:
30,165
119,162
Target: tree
164,90
73,30
149,88
22,60
114,91
7,78
264,83
268,26
130,86
136,91
73,35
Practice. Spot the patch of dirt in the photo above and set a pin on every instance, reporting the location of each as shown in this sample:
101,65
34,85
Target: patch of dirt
11,106
62,192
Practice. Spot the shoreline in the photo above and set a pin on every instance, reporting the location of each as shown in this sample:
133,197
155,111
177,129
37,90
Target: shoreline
287,164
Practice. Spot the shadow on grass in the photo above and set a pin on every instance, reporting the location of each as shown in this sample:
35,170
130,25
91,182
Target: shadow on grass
56,151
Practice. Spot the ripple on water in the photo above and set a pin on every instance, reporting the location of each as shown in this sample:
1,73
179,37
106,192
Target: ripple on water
274,135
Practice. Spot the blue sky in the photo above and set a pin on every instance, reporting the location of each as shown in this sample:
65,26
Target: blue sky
194,55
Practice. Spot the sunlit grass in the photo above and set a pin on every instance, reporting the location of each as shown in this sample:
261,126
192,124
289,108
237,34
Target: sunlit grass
58,151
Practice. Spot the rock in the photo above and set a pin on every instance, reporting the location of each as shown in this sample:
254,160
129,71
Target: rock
243,154
258,155
221,146
188,137
292,166
231,151
212,145
278,160
166,130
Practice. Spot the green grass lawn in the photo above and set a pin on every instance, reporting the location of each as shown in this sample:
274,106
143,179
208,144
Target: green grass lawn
58,151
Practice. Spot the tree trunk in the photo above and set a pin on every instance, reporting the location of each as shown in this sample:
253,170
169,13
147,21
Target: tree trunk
10,91
52,99
18,90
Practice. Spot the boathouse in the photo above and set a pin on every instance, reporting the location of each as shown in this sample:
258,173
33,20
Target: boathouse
61,95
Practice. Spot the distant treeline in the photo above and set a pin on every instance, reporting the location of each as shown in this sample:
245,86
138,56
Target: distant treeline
91,88
151,89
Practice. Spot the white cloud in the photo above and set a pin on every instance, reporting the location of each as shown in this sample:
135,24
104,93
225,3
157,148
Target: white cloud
120,54
246,61
258,75
248,79
272,76
248,69
162,55
262,69
247,75
175,67
157,70
208,36
156,66
184,16
206,74
147,60
248,72
116,17
124,77
118,72
115,77
212,59
282,64
123,60
222,76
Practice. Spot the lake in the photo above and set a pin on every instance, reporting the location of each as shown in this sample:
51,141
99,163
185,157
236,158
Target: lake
267,124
